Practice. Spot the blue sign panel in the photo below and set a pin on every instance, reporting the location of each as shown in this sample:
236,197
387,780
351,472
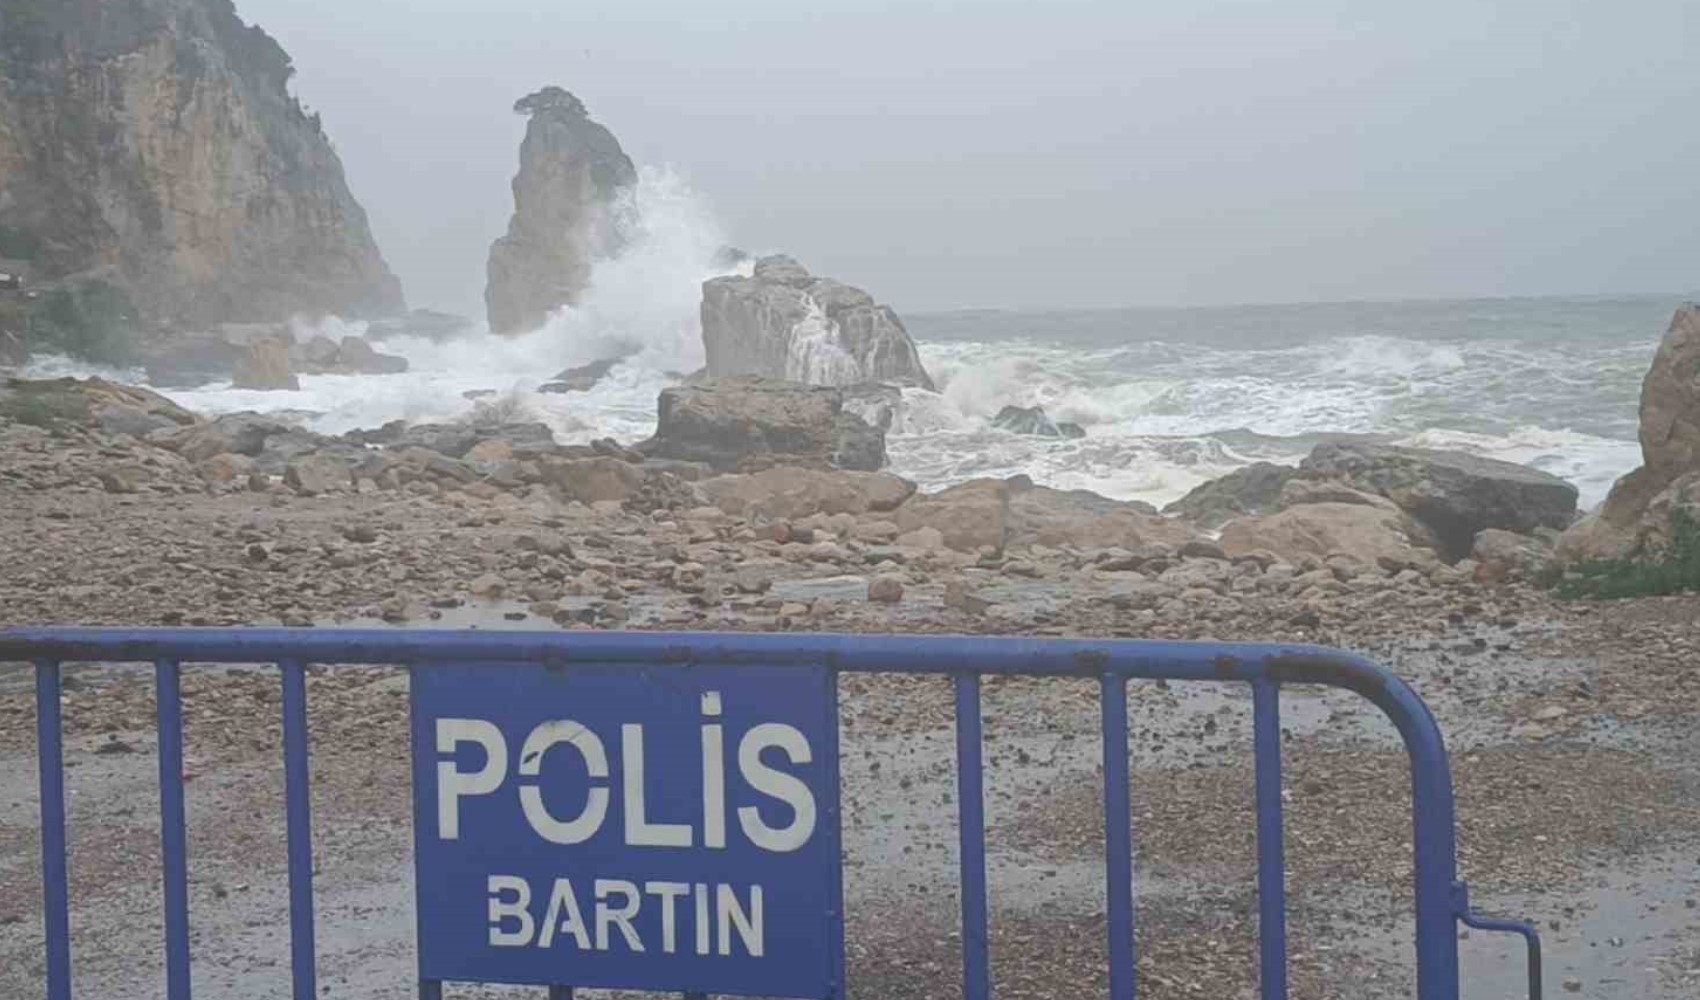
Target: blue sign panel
667,828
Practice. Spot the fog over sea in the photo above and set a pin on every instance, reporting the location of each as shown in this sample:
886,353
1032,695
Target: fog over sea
1169,398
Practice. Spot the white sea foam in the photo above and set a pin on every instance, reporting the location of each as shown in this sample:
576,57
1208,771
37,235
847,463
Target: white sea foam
1162,416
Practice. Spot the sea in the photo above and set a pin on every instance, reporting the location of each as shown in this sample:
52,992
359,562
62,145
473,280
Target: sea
1169,398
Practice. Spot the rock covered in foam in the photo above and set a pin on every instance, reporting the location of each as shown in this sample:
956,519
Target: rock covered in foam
782,322
1034,421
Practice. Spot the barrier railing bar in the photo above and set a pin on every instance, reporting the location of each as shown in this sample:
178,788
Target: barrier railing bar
830,753
173,838
971,831
430,989
296,793
1118,843
55,874
1271,848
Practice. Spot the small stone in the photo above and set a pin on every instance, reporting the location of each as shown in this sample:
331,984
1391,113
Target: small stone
362,533
885,589
488,585
793,610
1572,984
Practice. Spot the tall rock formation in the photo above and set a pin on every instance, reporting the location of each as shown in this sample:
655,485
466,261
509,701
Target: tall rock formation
571,170
1638,513
154,144
782,322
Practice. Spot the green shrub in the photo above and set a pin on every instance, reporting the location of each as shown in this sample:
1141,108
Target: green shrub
1670,570
94,320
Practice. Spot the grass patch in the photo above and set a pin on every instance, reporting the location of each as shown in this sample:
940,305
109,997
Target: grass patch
1673,569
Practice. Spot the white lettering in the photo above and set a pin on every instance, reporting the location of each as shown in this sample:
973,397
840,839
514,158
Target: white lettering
500,911
701,895
453,785
748,924
584,826
564,917
669,892
713,775
639,831
777,784
621,916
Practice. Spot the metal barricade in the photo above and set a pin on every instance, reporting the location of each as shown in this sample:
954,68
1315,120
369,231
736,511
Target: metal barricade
1441,900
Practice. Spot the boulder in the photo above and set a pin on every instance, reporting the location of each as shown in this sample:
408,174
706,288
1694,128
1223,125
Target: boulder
580,379
789,492
1255,489
969,516
355,356
267,367
995,513
225,468
784,323
1504,555
247,431
1453,494
487,455
1670,398
315,355
1368,536
93,403
1039,515
316,474
663,491
590,480
1033,420
127,477
571,172
730,423
1636,514
1298,492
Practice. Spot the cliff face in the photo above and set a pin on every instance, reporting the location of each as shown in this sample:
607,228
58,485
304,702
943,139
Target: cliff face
154,143
571,170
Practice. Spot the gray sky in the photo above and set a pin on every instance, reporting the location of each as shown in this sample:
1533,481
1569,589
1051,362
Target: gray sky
1055,153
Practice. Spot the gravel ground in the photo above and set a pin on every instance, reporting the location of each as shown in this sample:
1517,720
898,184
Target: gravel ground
1571,729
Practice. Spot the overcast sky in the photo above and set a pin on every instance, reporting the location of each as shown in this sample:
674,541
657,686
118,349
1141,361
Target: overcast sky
1055,153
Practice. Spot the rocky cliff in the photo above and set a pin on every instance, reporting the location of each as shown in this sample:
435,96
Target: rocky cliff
571,171
1638,513
154,145
783,322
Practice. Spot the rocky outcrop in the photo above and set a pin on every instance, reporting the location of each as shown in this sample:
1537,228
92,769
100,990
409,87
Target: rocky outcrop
1366,536
580,379
782,322
153,145
995,513
797,492
571,171
1034,421
1637,514
734,423
266,367
1255,489
1452,494
93,402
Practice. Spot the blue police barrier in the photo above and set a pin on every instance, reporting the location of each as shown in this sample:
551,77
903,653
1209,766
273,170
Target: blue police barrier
660,812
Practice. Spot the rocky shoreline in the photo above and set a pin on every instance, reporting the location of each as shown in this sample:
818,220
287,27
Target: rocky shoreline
1569,721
